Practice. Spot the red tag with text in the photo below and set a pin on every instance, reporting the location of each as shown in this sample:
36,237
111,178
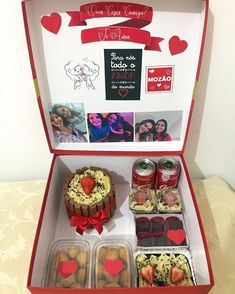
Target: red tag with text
160,79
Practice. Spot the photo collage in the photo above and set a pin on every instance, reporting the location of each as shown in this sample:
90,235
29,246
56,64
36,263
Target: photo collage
71,124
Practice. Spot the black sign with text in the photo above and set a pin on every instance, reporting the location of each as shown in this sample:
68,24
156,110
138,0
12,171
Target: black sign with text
123,73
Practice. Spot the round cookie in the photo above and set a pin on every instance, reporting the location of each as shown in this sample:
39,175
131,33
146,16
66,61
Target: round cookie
112,253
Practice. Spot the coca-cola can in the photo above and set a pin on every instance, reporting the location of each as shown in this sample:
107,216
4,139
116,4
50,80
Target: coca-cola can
143,173
167,175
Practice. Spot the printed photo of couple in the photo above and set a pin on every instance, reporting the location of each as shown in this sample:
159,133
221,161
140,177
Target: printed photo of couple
68,122
158,126
111,127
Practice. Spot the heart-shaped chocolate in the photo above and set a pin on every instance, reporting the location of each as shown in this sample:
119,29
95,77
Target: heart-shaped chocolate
67,268
113,267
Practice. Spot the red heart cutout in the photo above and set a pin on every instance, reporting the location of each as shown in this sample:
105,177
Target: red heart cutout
52,23
177,236
67,268
123,92
113,267
176,45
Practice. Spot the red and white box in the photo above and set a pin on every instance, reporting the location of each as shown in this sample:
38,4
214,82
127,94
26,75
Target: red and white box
156,49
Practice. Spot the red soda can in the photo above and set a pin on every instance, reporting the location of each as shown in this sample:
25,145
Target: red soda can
168,171
143,173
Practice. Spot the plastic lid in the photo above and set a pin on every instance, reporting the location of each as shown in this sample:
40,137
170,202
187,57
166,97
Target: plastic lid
68,264
113,262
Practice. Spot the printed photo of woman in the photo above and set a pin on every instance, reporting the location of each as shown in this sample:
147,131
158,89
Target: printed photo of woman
144,130
68,122
110,127
98,127
164,126
64,133
160,131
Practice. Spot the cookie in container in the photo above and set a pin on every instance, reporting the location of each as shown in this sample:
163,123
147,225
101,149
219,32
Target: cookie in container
113,264
68,264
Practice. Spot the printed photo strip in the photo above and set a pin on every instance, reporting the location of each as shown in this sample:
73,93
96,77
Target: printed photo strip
111,127
68,122
158,126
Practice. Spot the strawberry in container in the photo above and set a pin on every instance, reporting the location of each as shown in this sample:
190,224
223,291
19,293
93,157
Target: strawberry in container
142,200
164,268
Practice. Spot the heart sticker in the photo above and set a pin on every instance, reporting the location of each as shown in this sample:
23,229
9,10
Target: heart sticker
113,267
177,236
176,45
67,268
123,92
52,23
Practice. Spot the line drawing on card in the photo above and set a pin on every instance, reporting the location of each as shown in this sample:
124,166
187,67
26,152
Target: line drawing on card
85,71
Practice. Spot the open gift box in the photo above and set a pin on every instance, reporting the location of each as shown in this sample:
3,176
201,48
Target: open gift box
139,61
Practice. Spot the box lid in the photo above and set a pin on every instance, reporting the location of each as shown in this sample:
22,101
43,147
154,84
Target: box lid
139,62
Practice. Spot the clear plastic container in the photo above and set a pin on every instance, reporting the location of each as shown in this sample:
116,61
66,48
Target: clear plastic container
113,264
161,230
169,200
142,200
164,268
68,264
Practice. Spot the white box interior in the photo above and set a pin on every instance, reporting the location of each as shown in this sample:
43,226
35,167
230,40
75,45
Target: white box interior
55,223
183,18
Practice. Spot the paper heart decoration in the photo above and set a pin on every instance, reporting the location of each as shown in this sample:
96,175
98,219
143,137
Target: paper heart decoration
52,23
67,268
177,236
176,45
113,267
123,92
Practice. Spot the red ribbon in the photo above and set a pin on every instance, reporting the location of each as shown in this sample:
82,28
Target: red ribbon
128,31
116,9
114,33
82,222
